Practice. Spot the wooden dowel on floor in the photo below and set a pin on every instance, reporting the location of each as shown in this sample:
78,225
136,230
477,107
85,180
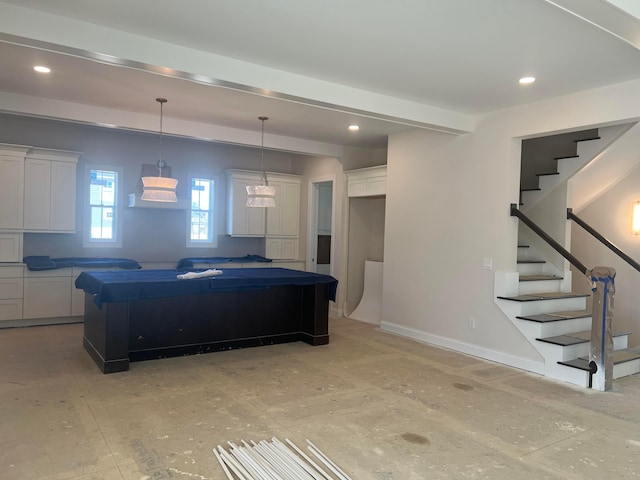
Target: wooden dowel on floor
222,464
234,465
334,468
296,466
308,459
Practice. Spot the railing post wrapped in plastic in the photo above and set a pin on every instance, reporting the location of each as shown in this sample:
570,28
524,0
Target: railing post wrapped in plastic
601,353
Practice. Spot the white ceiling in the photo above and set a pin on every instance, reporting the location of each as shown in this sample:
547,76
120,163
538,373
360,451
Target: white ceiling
312,67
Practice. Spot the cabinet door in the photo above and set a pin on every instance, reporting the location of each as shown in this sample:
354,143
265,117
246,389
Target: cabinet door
11,309
63,196
243,221
284,218
273,248
37,194
357,187
377,185
11,191
46,297
10,247
289,248
291,210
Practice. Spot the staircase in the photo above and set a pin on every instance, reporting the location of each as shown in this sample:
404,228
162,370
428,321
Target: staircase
558,324
538,298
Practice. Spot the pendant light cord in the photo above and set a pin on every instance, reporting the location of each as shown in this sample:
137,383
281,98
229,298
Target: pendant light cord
160,162
264,174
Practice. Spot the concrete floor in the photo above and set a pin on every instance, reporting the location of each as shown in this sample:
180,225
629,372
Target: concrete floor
380,406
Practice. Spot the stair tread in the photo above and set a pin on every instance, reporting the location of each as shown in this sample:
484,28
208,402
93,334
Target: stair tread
530,189
556,316
619,356
523,246
546,174
566,156
575,338
586,139
531,261
535,278
532,297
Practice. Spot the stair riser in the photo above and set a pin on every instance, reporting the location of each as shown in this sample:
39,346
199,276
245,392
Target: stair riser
567,374
627,368
539,286
564,327
556,353
530,268
554,305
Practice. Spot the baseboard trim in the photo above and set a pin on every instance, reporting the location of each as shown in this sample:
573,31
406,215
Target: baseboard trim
466,348
39,322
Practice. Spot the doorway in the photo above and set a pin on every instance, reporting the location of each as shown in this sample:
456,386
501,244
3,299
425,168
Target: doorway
321,226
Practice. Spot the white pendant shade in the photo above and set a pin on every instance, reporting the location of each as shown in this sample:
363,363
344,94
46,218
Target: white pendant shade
261,196
159,189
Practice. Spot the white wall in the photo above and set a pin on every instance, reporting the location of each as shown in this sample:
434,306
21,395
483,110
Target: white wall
448,208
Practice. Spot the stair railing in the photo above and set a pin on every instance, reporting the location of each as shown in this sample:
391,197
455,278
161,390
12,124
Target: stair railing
602,239
545,236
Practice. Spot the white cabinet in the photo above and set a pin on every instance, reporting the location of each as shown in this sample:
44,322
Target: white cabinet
367,182
11,185
243,221
281,248
10,246
280,224
50,191
47,293
11,292
283,220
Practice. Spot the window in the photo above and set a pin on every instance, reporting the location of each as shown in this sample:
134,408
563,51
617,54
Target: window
102,219
201,215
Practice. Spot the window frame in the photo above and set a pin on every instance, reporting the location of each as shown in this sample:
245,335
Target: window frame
87,241
213,241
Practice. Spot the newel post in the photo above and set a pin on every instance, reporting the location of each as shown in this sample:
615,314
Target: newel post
601,354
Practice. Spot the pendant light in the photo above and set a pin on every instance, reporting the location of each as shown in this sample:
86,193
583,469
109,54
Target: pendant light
159,189
261,195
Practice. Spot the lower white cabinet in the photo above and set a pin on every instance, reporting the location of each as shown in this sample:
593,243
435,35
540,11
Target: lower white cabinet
47,293
11,292
11,246
279,248
77,295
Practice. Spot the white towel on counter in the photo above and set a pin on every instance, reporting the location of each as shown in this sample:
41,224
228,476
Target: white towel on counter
212,272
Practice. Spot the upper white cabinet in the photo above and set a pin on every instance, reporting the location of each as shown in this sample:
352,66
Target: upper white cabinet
50,191
243,221
283,220
12,186
367,182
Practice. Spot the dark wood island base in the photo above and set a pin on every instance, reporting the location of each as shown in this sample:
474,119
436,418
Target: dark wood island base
145,329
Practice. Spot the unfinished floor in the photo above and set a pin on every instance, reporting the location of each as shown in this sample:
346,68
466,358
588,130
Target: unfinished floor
381,406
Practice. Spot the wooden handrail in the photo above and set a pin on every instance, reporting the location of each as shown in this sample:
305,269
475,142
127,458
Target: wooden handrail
542,234
602,239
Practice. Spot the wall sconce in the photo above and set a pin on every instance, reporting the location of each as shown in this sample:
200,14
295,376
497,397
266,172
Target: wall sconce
635,222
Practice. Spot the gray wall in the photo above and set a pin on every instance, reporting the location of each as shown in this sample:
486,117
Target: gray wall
150,235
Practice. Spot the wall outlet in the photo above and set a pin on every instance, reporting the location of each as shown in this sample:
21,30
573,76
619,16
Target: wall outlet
487,263
472,322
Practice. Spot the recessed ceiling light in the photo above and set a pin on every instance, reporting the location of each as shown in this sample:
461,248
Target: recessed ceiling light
41,69
354,128
525,80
